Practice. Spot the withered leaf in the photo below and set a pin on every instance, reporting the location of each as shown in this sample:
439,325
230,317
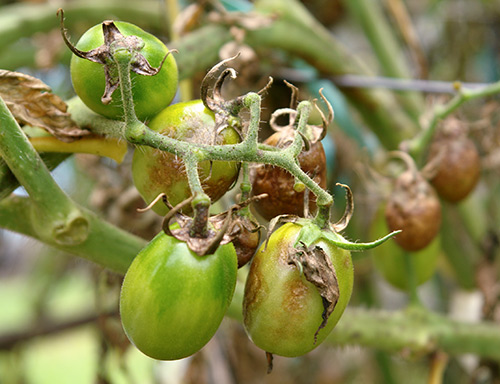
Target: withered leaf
31,102
318,269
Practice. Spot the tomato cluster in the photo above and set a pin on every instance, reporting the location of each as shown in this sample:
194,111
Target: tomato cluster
178,288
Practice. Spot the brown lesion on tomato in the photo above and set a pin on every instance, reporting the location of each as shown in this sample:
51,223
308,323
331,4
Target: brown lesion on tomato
278,183
255,290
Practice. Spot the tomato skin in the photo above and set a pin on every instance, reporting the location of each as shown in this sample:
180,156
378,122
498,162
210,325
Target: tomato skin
389,258
172,300
281,309
156,172
151,93
278,183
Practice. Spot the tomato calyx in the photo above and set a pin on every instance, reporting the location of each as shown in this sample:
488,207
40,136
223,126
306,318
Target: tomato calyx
226,111
314,133
218,229
114,41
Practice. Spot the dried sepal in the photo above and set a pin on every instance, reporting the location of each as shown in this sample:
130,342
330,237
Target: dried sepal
221,228
32,102
349,210
211,95
113,40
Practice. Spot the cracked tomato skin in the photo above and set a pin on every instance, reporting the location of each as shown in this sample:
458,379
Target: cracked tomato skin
151,93
172,300
156,171
281,309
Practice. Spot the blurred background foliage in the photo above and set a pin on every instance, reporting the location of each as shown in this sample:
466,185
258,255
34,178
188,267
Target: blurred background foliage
58,320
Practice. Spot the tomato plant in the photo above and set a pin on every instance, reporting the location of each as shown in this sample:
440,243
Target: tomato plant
282,310
151,93
156,172
172,300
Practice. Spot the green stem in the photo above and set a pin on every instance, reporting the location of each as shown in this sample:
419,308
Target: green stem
105,244
413,331
419,144
412,279
59,219
377,30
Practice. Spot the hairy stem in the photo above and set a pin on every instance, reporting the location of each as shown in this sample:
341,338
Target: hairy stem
419,144
57,217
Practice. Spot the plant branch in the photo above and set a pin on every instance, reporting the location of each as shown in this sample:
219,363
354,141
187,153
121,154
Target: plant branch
378,31
418,145
116,252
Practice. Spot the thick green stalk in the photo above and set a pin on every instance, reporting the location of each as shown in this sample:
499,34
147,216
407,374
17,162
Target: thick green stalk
418,331
57,216
414,331
106,245
377,30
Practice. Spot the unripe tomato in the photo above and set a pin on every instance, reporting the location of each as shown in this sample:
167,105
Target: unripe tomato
281,309
151,93
172,300
278,183
389,258
156,172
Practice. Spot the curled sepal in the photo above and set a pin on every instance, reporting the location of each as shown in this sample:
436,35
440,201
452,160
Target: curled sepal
221,229
349,210
113,40
318,269
211,95
313,133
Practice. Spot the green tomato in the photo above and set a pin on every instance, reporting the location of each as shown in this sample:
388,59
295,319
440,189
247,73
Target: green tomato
156,171
281,309
151,93
389,257
172,300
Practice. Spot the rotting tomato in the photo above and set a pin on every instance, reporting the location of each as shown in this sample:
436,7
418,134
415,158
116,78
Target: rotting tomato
155,172
389,258
279,184
283,312
172,300
151,93
459,164
414,208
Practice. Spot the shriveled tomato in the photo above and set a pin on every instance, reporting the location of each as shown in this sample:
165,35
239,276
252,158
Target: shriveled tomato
151,93
389,258
283,311
278,184
172,300
156,172
459,164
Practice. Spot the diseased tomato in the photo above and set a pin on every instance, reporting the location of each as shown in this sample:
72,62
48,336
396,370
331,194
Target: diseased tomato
282,310
278,183
389,258
156,172
459,164
151,93
414,208
172,300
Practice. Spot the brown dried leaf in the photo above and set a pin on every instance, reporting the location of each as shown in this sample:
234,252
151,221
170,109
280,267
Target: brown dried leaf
31,102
